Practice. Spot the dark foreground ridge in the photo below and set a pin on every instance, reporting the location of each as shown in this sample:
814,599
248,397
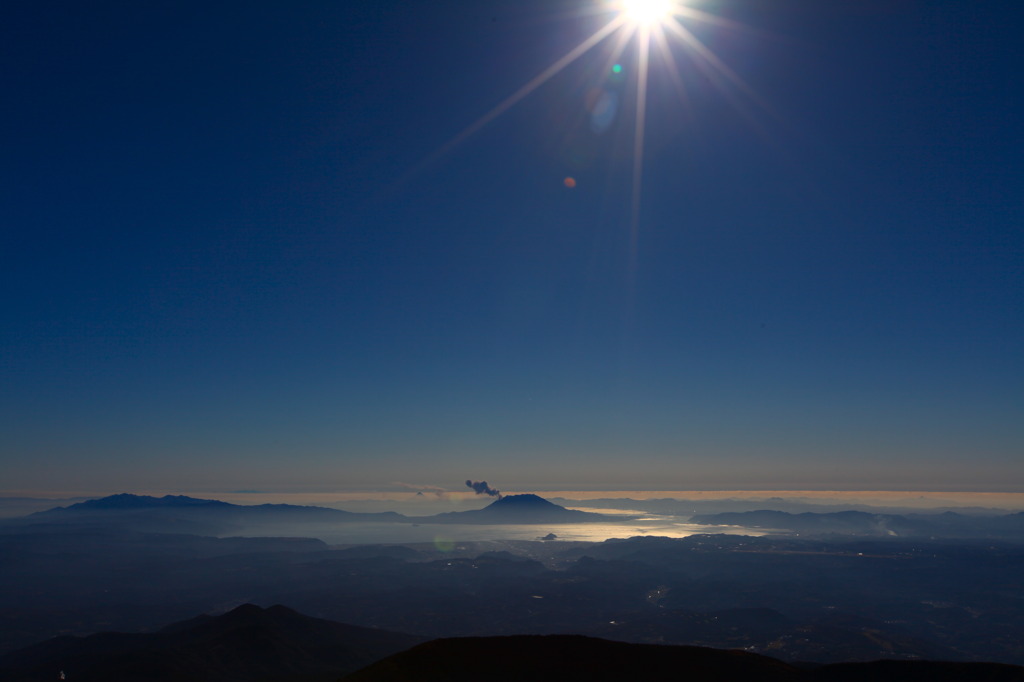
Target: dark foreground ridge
246,644
277,644
557,658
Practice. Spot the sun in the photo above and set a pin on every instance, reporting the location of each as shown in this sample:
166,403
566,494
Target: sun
652,27
645,12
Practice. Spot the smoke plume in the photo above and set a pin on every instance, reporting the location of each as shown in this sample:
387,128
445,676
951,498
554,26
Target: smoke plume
481,488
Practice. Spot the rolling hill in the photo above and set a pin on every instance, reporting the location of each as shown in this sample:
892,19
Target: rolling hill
247,644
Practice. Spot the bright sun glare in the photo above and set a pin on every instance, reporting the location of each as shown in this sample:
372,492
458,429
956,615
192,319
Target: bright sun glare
650,26
646,12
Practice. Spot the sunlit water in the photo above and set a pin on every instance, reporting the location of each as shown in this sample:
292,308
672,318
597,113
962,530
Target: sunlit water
403,533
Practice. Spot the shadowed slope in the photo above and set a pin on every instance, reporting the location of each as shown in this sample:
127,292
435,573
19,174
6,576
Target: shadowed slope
567,657
245,645
557,658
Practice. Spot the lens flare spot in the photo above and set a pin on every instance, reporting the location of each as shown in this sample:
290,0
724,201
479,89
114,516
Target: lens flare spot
617,68
602,111
569,182
444,544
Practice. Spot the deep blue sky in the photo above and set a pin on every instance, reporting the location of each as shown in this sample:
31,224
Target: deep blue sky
232,258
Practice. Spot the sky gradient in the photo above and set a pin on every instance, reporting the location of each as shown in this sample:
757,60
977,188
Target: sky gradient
240,250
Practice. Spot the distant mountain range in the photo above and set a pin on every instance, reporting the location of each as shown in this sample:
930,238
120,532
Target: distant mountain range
126,502
277,644
182,514
947,524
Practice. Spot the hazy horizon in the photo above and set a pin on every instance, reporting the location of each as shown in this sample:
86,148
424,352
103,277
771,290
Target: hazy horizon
378,500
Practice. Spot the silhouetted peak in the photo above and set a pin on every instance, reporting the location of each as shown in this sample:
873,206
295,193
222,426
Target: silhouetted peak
254,613
130,501
526,508
275,617
245,644
524,501
245,611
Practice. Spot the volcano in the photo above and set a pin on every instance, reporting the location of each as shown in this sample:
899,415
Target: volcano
525,508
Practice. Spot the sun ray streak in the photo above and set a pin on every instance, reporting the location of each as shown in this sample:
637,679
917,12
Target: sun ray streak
538,80
643,52
652,23
715,20
719,68
673,71
621,42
